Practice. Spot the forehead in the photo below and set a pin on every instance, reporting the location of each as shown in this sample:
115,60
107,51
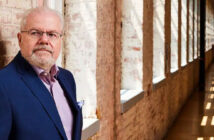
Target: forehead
43,20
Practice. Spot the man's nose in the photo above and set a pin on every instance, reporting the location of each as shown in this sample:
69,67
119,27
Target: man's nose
44,39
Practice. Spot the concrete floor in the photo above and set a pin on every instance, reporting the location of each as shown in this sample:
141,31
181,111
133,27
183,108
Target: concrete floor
188,125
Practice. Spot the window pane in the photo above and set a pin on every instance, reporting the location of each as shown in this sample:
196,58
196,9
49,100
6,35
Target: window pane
132,68
190,31
198,26
158,42
195,30
183,32
174,35
80,51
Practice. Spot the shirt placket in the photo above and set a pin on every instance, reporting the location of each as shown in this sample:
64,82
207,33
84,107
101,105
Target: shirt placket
47,79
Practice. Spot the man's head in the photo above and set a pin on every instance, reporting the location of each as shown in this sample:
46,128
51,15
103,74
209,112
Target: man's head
40,37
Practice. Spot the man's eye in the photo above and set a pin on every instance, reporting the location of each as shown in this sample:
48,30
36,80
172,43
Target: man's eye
35,33
52,34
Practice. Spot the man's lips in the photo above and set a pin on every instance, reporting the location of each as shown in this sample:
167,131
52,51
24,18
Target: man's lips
46,50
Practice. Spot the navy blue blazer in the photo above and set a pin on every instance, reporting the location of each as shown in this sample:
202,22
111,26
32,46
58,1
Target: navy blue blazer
27,109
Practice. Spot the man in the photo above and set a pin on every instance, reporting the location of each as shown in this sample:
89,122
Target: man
37,98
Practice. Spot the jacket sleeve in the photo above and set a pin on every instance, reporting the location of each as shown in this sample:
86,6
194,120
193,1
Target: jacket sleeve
5,117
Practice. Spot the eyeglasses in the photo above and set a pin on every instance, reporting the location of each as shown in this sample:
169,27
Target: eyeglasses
38,34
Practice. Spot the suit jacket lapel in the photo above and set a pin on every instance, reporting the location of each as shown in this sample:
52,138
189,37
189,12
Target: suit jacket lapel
40,92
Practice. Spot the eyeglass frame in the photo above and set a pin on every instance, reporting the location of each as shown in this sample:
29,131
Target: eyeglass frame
40,34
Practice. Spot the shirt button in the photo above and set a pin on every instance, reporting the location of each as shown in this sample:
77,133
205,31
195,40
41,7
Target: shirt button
45,74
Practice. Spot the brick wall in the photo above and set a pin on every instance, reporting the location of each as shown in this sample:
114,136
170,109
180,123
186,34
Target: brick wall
150,118
105,68
10,15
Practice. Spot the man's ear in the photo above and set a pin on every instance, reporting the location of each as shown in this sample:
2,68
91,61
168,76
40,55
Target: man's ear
19,36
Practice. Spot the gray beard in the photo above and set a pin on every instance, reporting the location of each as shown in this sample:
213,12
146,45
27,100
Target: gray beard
42,63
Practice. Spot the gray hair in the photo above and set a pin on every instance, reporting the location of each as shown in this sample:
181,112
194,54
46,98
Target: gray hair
39,9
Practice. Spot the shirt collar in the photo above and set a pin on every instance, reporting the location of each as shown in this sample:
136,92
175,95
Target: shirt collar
53,72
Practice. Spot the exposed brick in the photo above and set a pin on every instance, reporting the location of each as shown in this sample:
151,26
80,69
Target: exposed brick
10,16
94,50
5,60
40,2
21,4
17,15
9,31
6,14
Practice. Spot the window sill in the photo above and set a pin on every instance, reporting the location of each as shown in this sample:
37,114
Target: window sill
158,82
129,98
184,64
158,79
174,73
173,70
90,128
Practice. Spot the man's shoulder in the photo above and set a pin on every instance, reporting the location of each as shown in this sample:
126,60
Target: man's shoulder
8,68
65,73
11,68
8,71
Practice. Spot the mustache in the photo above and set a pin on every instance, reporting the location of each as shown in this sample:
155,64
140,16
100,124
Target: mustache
43,47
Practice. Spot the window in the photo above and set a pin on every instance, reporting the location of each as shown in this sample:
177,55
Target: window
174,35
209,34
183,32
158,42
209,27
198,27
190,31
132,43
80,50
132,16
195,29
212,32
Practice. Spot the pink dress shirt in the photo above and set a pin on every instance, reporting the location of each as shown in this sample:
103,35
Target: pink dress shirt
59,97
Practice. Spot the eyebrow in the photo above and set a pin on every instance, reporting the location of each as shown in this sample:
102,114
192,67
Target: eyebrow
45,31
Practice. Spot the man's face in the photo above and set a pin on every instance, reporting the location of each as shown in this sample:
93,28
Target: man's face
41,50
